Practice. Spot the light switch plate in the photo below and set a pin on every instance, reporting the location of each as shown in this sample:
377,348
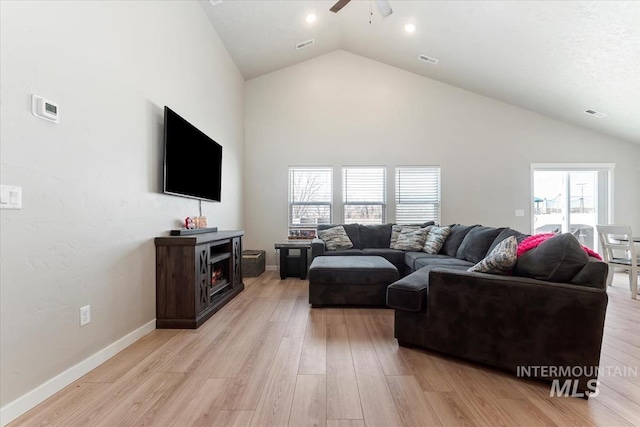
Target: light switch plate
10,197
519,212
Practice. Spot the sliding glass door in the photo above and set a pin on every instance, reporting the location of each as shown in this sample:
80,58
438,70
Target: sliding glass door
571,199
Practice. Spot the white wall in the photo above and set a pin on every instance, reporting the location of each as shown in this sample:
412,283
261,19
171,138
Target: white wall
91,184
342,109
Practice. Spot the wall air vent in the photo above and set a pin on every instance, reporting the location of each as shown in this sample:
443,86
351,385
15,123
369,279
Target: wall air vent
305,44
428,59
595,113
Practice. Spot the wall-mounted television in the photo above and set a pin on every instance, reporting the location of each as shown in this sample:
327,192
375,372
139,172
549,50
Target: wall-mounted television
192,160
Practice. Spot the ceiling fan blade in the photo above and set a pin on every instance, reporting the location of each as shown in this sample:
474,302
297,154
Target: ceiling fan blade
339,5
384,7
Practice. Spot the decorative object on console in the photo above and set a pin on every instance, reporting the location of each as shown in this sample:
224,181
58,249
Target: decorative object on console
335,238
200,221
188,223
501,259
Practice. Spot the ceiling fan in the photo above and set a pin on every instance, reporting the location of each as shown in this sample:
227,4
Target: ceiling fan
383,6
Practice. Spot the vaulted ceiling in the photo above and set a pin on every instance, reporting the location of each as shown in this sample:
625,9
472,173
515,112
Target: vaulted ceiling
553,57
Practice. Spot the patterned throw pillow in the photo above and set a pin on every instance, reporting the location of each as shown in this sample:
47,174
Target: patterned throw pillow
397,229
501,259
435,239
412,240
335,239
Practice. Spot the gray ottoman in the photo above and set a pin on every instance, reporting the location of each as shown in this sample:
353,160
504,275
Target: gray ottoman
350,280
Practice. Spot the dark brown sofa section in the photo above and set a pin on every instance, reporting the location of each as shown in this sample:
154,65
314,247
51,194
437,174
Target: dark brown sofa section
509,321
550,312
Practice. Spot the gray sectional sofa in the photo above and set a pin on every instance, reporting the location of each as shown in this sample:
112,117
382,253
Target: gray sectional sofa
373,240
549,312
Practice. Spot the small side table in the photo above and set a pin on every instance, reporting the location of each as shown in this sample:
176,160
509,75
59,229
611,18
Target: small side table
293,265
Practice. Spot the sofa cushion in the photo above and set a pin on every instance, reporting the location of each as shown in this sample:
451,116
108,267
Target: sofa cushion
363,270
435,239
346,252
411,240
335,239
397,228
394,256
410,258
501,259
507,232
476,243
593,274
353,231
455,238
411,292
447,262
558,259
375,236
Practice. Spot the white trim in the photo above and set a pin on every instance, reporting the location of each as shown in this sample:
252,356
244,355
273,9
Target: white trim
21,405
271,268
572,166
609,168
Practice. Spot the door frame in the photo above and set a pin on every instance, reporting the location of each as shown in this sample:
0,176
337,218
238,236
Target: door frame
575,167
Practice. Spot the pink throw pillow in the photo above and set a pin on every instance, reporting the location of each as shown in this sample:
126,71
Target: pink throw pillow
535,240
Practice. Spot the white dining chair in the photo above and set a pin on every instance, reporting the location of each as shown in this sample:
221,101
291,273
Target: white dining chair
619,238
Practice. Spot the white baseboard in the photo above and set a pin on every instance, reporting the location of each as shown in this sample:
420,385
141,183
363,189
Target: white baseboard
271,268
13,410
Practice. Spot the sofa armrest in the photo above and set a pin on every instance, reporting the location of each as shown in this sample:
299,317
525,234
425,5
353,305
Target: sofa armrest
535,318
510,322
317,248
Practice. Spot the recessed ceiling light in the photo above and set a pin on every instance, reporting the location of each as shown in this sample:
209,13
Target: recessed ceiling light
410,28
311,18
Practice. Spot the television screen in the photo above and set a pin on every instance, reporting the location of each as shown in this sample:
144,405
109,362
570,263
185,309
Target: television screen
192,160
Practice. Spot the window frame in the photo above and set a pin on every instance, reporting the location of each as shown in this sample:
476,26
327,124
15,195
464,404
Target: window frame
434,201
382,204
291,204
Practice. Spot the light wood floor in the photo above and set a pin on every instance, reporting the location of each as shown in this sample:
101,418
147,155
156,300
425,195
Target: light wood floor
268,359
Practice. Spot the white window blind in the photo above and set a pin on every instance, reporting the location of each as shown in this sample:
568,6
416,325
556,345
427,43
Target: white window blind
310,196
364,195
417,194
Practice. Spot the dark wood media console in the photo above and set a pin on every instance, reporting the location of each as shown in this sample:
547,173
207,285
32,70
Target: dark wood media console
195,276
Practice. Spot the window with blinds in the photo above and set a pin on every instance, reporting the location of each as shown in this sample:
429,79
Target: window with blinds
417,194
364,195
310,197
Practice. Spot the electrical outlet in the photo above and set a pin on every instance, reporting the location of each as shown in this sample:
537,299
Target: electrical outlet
85,315
519,212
